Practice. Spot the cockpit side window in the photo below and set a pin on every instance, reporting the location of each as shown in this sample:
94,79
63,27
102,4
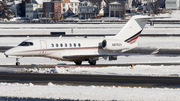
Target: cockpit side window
26,44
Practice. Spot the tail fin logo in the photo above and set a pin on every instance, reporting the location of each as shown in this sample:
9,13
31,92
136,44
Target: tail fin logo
133,39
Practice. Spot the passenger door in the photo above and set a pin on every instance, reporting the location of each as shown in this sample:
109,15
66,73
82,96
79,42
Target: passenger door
43,47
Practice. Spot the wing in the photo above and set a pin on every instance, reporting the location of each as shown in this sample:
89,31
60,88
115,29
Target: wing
84,57
143,51
135,51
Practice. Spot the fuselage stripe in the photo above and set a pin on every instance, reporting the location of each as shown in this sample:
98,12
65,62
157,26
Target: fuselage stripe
133,37
56,49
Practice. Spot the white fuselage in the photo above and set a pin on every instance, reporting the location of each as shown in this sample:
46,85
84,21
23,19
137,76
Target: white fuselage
58,47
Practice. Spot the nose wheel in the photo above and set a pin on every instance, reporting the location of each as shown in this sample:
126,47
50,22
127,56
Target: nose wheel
17,62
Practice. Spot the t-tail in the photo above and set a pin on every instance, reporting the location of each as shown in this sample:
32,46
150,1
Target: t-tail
126,38
133,28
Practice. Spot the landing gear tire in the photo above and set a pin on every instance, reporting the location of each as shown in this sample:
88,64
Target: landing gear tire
78,62
92,62
17,63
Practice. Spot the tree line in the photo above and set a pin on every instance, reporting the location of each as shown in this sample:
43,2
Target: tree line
6,13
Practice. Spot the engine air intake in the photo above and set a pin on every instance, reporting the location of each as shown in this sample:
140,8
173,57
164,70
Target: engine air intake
104,43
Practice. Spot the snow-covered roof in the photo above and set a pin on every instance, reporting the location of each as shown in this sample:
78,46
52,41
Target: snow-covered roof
46,0
115,2
39,1
74,1
17,2
88,3
13,3
10,3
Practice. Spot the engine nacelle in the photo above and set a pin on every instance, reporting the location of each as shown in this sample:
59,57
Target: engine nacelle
114,44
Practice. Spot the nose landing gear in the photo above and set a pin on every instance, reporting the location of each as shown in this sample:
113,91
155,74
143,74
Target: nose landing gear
17,62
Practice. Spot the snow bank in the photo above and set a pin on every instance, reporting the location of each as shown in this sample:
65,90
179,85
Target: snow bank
46,29
52,91
174,15
138,70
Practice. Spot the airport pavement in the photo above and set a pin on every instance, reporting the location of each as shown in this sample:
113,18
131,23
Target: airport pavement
75,79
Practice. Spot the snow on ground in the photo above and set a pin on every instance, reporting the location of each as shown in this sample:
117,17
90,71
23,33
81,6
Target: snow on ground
56,26
173,15
94,92
46,29
120,60
52,91
138,70
23,29
155,42
5,69
159,42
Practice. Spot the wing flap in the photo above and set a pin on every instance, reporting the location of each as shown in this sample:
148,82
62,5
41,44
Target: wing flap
135,51
83,57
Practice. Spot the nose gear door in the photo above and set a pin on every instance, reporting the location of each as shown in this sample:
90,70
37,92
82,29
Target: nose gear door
43,47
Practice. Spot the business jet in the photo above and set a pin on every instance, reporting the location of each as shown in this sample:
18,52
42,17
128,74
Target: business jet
83,49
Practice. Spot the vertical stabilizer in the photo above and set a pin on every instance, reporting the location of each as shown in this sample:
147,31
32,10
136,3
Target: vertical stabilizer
131,31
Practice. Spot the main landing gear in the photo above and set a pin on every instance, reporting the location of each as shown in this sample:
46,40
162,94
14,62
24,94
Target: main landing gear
90,62
78,62
17,62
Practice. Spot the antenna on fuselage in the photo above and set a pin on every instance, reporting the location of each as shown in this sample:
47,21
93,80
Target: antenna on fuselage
60,36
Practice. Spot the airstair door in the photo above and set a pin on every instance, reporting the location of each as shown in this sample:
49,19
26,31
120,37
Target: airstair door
43,47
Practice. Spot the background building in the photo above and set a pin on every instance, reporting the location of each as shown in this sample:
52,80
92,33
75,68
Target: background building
74,6
104,9
86,10
52,9
116,9
69,8
172,4
33,8
60,9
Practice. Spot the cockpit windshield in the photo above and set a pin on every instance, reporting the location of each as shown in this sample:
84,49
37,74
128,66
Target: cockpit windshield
26,44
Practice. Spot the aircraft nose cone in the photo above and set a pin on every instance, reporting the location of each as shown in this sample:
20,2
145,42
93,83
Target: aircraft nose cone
6,53
9,53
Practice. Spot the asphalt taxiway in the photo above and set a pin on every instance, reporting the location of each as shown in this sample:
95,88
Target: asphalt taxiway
105,80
